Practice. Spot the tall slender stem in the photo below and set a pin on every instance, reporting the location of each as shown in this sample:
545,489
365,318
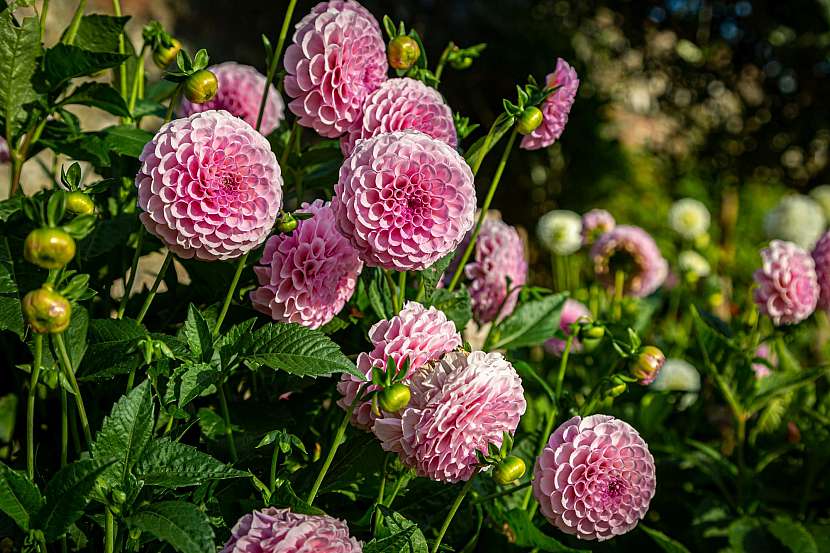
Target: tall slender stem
152,294
174,100
453,509
69,372
563,363
442,61
229,296
272,481
64,427
44,9
226,416
122,70
377,516
30,407
138,77
619,287
76,22
338,437
392,289
129,280
272,67
487,201
109,544
401,288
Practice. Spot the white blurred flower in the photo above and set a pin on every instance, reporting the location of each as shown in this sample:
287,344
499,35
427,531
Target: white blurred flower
691,262
560,231
678,375
689,218
821,194
796,218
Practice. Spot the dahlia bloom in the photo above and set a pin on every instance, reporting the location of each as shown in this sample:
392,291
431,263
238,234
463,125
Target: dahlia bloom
595,478
821,257
797,219
401,104
337,58
560,231
555,108
788,288
459,405
5,154
595,223
821,194
306,277
417,334
572,312
631,250
693,265
273,530
677,375
689,218
404,200
763,351
209,185
240,92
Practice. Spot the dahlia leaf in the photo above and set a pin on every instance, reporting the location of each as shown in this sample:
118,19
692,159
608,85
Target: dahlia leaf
530,324
98,95
112,348
394,523
19,497
99,33
19,49
195,378
793,535
285,497
63,62
527,535
11,317
197,334
181,525
396,543
126,140
456,305
432,274
108,235
779,383
171,465
666,543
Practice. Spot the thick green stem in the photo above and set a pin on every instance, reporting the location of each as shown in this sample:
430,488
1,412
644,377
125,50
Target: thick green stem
272,481
494,184
138,77
72,32
69,372
129,280
401,288
453,509
226,416
377,515
619,287
392,289
272,68
44,10
152,294
174,101
338,437
442,61
30,407
109,544
122,69
229,296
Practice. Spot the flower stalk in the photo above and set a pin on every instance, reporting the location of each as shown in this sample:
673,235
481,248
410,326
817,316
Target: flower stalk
453,509
30,406
69,373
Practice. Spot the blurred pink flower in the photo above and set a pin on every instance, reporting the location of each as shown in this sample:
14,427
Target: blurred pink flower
595,223
404,200
631,250
788,288
821,257
595,478
555,108
337,57
418,334
764,352
209,185
240,92
5,155
401,104
459,405
273,530
573,311
306,277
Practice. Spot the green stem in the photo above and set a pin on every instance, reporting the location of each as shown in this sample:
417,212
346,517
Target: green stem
137,78
487,200
741,439
122,69
338,437
292,134
401,288
453,509
109,545
563,363
152,294
76,22
69,372
392,290
131,379
174,100
64,428
129,280
229,296
619,286
226,415
272,481
272,68
44,9
30,407
378,516
502,493
395,490
439,69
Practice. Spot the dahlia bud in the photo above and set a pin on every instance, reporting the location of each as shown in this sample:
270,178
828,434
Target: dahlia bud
201,86
286,223
50,248
403,52
79,203
394,398
510,469
648,365
591,335
164,55
46,311
619,387
529,120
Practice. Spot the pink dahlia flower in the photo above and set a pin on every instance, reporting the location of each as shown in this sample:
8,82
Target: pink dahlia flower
595,478
633,251
5,155
572,312
273,530
240,92
306,277
404,200
401,104
821,257
595,223
459,405
764,352
788,288
337,58
418,334
555,108
209,185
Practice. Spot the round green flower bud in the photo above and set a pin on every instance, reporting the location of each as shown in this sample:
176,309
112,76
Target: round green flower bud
403,52
286,223
79,203
648,365
394,398
50,248
46,311
462,62
509,470
201,86
119,497
529,120
164,55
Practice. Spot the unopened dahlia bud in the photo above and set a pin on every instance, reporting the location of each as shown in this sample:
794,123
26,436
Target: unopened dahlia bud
49,248
286,223
79,203
529,120
394,398
46,311
648,364
617,389
403,52
509,470
164,55
201,86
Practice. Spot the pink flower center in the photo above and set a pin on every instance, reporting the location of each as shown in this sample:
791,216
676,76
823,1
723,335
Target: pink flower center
614,489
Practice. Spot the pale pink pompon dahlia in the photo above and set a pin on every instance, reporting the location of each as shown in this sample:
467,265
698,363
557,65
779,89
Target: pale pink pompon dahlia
788,288
273,530
555,108
595,478
240,93
401,104
821,257
459,405
418,334
337,57
572,312
633,251
404,200
307,276
209,185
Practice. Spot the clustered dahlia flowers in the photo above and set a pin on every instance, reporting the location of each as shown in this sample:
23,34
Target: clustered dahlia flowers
595,478
337,58
459,405
821,257
572,312
307,276
209,185
595,223
555,108
788,289
631,250
404,200
240,92
401,104
417,334
273,530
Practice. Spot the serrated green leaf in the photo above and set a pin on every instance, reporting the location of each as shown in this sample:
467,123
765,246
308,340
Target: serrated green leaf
195,378
20,499
98,95
746,536
432,274
10,206
527,535
235,340
99,33
173,465
108,235
8,285
395,523
456,305
285,497
396,543
379,293
666,543
126,140
112,348
197,334
793,535
181,525
780,382
63,62
283,439
19,50
11,316
530,324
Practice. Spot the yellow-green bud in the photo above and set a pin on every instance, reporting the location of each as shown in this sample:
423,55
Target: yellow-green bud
46,311
529,120
286,223
164,55
201,86
50,248
403,52
79,203
648,365
510,469
394,398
